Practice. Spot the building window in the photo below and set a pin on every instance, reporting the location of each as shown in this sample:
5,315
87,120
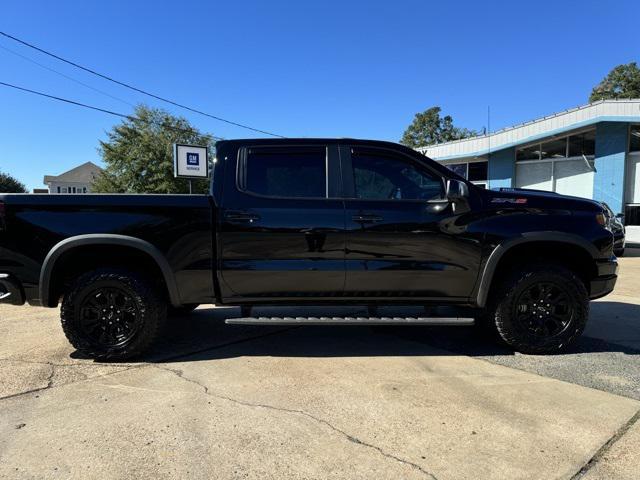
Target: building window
528,153
478,171
58,189
577,145
64,189
582,144
459,169
634,139
84,189
554,149
475,172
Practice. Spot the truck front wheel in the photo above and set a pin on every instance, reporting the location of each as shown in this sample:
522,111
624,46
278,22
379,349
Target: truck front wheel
112,314
539,309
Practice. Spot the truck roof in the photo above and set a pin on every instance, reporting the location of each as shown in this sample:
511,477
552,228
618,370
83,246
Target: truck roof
307,140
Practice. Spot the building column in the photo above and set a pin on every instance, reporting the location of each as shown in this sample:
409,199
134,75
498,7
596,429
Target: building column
501,168
611,151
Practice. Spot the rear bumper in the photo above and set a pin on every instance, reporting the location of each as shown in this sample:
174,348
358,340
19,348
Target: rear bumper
10,290
604,283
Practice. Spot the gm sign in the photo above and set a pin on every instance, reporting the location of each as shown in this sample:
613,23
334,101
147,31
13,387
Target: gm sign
190,161
193,159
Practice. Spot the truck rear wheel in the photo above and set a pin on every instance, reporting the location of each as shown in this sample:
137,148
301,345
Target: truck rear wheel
112,314
539,309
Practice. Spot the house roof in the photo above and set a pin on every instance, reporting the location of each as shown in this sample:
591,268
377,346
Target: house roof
627,110
85,173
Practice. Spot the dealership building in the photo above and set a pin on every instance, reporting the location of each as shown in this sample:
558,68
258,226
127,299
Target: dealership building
592,151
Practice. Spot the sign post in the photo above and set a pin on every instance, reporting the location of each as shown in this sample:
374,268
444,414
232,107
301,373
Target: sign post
190,161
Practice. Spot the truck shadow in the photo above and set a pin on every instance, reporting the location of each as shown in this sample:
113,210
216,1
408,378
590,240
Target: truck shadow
203,335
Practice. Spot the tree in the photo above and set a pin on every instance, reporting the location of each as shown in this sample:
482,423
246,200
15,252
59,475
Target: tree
621,82
429,128
9,184
138,154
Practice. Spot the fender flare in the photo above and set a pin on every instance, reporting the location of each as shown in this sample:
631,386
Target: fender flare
486,277
104,239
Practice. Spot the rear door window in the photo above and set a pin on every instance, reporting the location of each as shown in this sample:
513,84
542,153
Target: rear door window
295,172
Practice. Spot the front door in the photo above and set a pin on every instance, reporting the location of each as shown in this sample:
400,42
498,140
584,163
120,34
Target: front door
282,226
399,244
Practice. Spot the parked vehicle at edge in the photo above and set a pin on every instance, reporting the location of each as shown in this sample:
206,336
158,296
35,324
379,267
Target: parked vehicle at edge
309,222
616,226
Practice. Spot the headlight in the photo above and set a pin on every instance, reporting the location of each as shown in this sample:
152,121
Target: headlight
602,220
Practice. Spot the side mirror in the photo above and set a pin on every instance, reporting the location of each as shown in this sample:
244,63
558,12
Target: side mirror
457,190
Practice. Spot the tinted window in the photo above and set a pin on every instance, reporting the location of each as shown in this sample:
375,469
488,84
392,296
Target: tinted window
382,176
528,153
554,149
458,168
634,139
478,171
583,144
287,172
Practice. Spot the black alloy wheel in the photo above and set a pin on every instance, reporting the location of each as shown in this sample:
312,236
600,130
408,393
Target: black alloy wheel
108,316
543,310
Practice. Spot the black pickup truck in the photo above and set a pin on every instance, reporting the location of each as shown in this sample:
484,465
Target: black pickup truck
310,222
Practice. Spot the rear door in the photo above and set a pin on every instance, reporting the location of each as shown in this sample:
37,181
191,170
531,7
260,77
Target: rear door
282,227
398,243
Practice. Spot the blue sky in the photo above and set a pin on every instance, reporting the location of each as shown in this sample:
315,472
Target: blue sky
325,68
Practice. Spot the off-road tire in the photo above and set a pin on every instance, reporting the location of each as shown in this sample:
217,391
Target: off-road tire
505,303
149,304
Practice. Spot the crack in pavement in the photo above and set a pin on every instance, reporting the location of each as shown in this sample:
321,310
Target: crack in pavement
125,367
62,365
606,446
39,389
349,437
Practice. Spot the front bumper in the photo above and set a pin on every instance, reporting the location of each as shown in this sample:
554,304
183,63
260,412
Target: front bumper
10,290
604,283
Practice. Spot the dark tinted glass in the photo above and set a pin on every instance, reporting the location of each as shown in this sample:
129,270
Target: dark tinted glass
381,176
478,171
634,139
528,153
459,168
554,149
583,144
287,172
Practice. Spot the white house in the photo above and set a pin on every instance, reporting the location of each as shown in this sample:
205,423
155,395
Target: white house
76,180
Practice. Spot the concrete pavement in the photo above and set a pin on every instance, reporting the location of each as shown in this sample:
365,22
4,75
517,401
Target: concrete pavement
217,401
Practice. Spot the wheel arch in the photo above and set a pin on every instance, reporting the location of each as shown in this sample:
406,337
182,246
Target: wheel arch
67,246
534,241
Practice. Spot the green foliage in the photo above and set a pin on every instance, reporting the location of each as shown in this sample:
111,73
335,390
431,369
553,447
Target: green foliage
139,154
9,184
429,128
621,82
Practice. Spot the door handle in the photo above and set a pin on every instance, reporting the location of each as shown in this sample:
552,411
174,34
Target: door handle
236,216
367,218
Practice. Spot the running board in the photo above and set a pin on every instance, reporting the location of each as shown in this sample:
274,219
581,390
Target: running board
448,321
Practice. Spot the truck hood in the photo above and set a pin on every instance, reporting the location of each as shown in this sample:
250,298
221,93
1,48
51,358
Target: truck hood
522,197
